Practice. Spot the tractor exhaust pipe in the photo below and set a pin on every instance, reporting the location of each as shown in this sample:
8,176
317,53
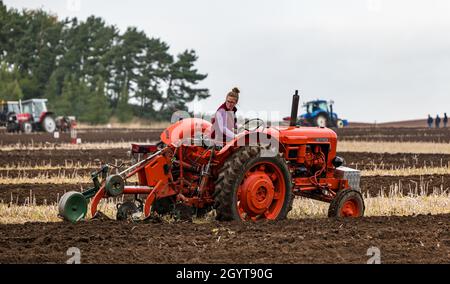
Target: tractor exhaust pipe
294,109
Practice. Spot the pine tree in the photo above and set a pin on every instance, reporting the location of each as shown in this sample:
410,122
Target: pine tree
9,85
62,105
97,109
126,56
63,60
153,71
53,89
182,79
124,111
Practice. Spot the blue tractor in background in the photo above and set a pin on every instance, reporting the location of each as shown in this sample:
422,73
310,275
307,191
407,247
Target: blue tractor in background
320,113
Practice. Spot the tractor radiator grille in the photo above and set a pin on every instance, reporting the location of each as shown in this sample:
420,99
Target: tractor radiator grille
353,176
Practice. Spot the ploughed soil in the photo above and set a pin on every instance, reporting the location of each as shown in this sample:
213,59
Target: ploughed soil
426,184
62,157
373,185
86,136
38,194
414,123
45,174
371,161
409,239
396,134
92,157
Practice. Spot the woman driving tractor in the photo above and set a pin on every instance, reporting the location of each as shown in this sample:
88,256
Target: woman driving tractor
224,122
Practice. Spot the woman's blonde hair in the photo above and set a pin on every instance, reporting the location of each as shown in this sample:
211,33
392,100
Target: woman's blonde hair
234,93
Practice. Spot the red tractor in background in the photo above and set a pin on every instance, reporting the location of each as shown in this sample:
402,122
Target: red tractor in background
253,177
33,115
8,110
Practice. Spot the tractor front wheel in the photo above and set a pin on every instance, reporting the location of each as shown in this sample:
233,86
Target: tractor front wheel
347,203
252,187
12,127
321,121
27,127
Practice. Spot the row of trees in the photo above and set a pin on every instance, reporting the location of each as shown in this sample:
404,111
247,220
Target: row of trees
91,70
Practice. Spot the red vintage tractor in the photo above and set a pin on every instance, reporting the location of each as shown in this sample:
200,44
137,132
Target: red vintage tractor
33,115
253,177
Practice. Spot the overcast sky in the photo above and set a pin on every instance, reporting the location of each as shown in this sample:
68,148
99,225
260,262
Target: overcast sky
378,60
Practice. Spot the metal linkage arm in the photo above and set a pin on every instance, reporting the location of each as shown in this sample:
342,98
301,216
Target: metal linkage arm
140,163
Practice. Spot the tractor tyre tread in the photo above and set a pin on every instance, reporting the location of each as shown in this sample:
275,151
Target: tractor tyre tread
231,174
341,196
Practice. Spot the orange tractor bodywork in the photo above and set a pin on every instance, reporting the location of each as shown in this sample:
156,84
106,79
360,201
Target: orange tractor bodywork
253,177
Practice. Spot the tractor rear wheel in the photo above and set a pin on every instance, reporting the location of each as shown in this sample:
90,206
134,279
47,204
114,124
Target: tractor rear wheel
347,203
49,124
252,187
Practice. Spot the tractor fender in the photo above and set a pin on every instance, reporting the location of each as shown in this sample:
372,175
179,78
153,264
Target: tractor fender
185,130
320,113
44,114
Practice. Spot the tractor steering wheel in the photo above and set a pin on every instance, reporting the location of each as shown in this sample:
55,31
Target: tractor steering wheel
259,123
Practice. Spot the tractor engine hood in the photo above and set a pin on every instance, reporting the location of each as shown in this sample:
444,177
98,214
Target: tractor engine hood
23,116
305,135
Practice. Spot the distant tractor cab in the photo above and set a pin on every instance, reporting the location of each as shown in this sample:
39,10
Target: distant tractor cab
8,109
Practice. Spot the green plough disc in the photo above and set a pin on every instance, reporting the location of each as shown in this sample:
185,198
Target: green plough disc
72,206
114,185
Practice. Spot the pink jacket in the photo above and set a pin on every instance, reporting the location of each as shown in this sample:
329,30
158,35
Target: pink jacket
224,124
